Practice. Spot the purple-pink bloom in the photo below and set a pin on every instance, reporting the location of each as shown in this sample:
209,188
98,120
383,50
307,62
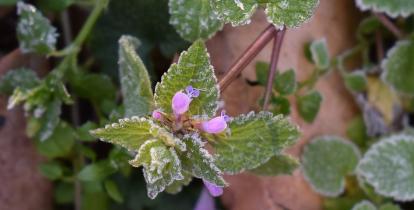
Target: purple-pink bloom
156,115
181,101
213,189
205,201
217,124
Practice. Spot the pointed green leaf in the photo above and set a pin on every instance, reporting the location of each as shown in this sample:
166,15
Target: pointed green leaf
94,87
325,163
262,69
389,167
194,19
236,12
130,133
22,78
280,105
277,165
399,67
113,191
35,33
199,162
252,140
364,205
290,13
178,185
135,82
193,68
51,170
161,166
356,81
320,54
97,171
285,83
308,105
394,8
59,144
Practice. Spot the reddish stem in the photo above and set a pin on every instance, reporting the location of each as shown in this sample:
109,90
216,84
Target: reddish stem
277,45
390,25
247,56
379,45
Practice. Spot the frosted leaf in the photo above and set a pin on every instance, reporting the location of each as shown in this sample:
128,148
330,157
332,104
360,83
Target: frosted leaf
22,78
277,165
194,19
199,162
389,167
364,205
161,166
35,33
130,133
253,139
193,68
178,185
309,104
399,67
392,8
320,54
356,81
134,79
325,163
290,13
236,12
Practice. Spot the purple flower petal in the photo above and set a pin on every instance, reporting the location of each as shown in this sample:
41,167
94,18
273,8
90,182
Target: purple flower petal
205,201
180,103
156,115
192,92
215,125
213,189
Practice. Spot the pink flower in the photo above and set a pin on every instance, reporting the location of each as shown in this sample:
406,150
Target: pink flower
156,115
213,189
216,125
181,101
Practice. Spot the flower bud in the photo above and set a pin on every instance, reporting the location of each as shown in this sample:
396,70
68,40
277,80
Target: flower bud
180,103
217,124
213,189
156,115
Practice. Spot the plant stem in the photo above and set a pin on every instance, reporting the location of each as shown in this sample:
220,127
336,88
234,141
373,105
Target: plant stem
277,45
247,56
390,25
379,46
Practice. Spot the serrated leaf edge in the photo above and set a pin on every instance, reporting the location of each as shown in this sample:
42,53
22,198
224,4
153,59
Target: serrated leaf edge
376,8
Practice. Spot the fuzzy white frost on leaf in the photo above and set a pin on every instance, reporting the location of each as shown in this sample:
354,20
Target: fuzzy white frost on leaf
392,8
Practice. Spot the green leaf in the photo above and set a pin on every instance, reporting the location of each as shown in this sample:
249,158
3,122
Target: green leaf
325,163
262,69
97,171
83,131
51,170
285,83
135,82
199,162
59,144
193,68
357,131
280,105
54,5
364,205
389,167
161,166
113,191
396,8
236,12
399,67
194,19
7,2
35,33
178,185
277,165
49,119
389,206
64,193
290,13
22,78
320,54
94,87
252,140
356,81
129,133
308,105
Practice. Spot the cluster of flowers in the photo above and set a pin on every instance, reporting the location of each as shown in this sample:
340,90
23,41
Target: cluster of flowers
180,105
